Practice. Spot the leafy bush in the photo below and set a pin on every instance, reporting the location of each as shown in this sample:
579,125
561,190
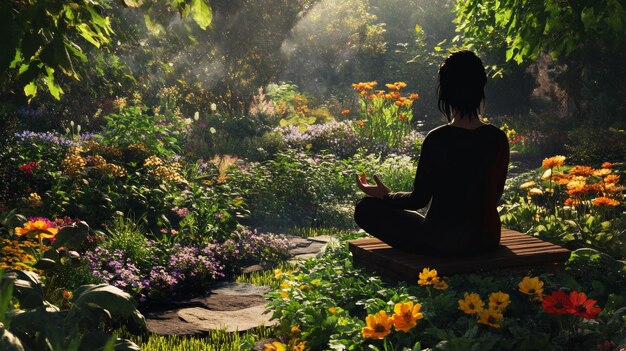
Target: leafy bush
586,144
83,322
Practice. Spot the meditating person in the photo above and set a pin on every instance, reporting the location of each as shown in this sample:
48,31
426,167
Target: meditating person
461,172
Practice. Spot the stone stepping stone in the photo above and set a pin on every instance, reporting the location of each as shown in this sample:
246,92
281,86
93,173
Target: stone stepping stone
234,288
230,306
230,321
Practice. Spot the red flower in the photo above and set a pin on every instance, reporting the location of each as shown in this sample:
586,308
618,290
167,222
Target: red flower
582,306
27,168
557,303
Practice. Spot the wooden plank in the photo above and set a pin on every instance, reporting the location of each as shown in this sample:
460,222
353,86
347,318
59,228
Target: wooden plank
517,251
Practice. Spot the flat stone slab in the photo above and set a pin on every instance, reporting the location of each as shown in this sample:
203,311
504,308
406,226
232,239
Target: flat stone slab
234,288
313,248
229,321
231,306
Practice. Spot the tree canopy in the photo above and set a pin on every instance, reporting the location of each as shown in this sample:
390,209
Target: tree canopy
42,39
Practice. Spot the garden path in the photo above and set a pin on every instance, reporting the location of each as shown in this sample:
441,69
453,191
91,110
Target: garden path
229,306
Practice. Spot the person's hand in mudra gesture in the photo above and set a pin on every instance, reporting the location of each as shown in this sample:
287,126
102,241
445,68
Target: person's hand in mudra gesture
379,190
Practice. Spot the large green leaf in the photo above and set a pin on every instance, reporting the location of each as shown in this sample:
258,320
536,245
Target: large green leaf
201,13
117,302
71,237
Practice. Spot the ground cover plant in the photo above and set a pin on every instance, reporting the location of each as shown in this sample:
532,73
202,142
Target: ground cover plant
329,304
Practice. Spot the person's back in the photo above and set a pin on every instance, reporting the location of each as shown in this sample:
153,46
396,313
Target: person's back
468,171
461,171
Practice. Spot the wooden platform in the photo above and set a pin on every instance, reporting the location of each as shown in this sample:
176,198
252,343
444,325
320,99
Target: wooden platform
517,251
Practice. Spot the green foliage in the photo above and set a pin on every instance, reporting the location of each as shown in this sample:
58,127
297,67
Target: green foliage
585,144
161,134
295,189
128,236
529,28
41,36
329,299
78,325
213,340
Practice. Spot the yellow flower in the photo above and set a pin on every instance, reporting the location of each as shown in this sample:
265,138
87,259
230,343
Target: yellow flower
332,310
531,286
405,315
427,276
547,174
498,301
297,346
440,284
535,191
152,161
34,200
276,346
555,161
295,329
377,326
285,285
278,274
471,303
602,172
490,317
527,185
284,294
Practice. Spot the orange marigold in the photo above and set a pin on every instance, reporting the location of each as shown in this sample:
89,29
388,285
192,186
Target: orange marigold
345,111
605,201
554,161
581,171
611,179
560,179
571,202
414,96
607,165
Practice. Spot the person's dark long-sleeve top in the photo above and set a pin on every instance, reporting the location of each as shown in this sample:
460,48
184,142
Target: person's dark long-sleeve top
462,171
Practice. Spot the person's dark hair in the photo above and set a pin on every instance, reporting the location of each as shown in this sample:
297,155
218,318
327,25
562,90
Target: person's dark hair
462,80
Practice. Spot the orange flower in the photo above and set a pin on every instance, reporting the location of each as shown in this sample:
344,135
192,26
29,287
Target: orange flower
560,179
345,111
396,95
371,97
571,202
400,85
605,201
387,96
611,179
554,161
391,86
377,326
414,96
360,123
408,103
39,228
581,171
607,165
402,117
405,315
398,103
